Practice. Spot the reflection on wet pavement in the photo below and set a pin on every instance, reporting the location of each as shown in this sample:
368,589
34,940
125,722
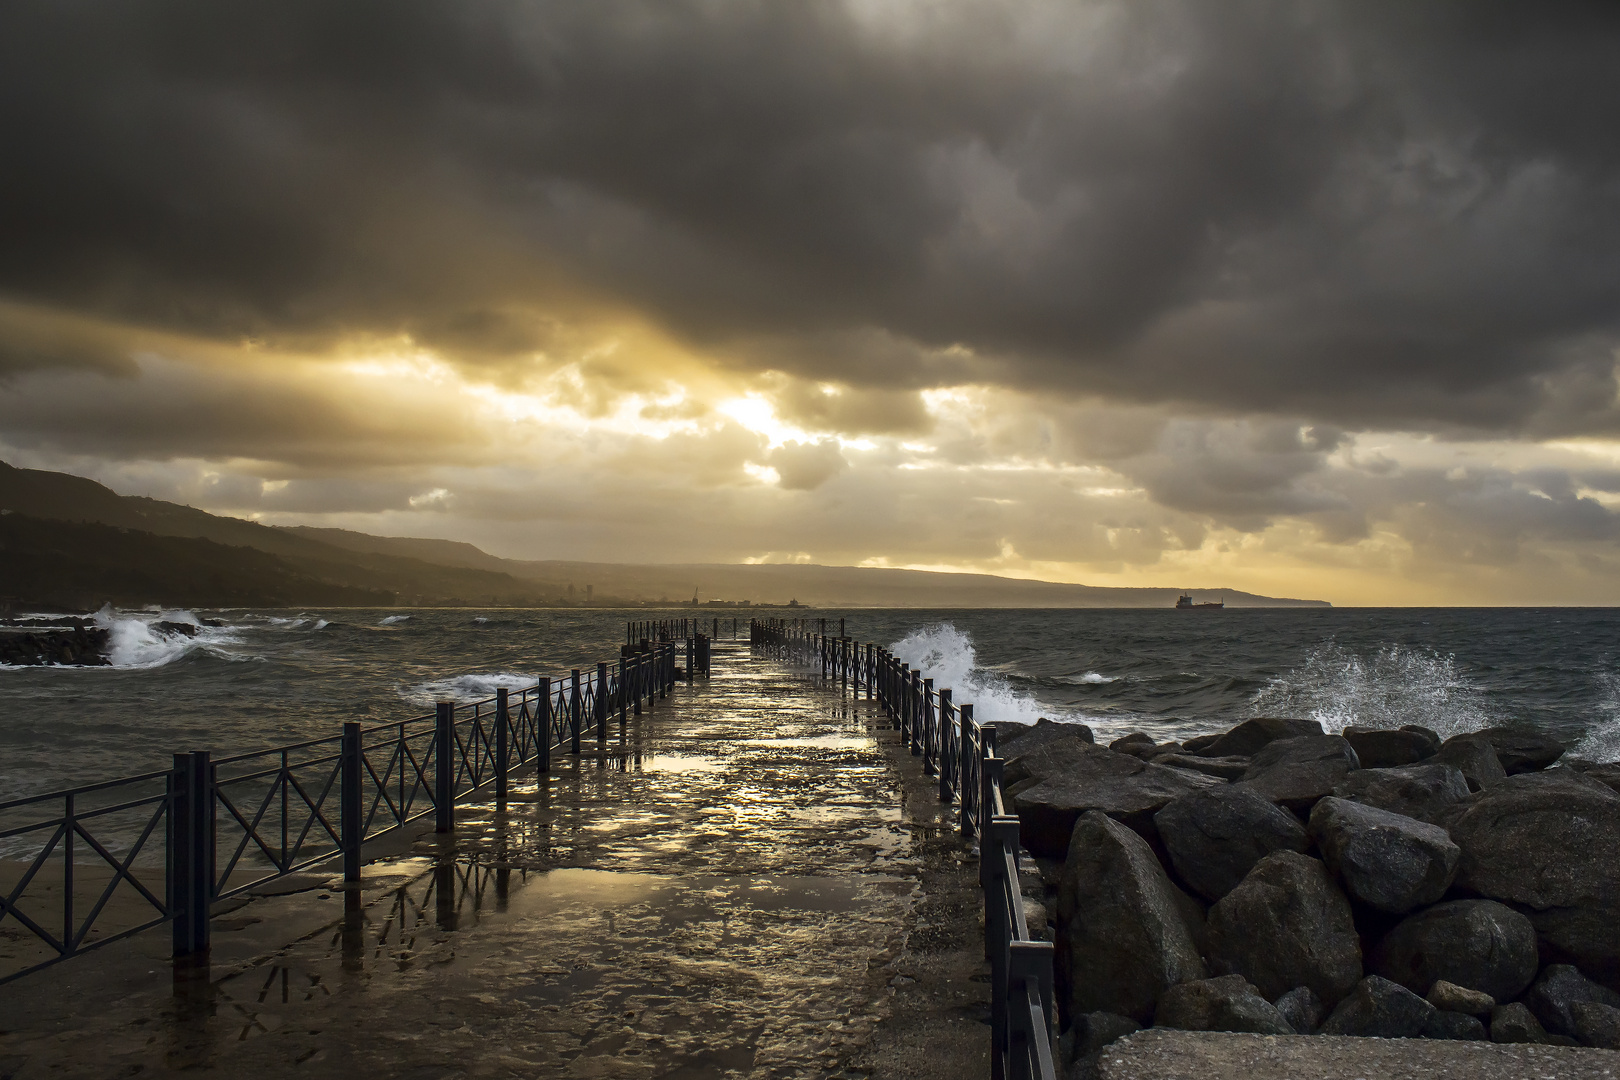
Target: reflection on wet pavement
715,892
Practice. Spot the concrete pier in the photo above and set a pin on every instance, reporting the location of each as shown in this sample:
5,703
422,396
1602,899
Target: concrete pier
750,882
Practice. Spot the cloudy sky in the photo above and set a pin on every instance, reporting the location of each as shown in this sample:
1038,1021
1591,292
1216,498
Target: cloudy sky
1309,298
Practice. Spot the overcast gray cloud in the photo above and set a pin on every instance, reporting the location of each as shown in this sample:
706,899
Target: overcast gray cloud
1364,213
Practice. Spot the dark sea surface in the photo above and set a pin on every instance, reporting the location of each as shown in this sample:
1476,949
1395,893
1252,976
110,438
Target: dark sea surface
272,677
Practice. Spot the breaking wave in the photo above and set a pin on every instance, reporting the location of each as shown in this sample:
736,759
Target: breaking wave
1393,686
392,620
946,655
1602,740
466,688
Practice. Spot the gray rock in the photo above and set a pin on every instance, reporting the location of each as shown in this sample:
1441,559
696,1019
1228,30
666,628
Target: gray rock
1093,1031
1418,791
1474,757
1214,837
1229,1003
1588,936
1556,993
1120,930
1227,768
1606,773
1249,737
1597,1024
1391,862
1302,1009
1522,751
1297,772
1199,743
1513,1023
1014,746
1477,944
1070,778
1286,925
1382,748
1450,997
1378,1008
1135,738
1455,1025
1545,840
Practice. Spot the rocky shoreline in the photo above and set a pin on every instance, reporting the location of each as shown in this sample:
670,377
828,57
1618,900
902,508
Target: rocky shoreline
71,641
1279,880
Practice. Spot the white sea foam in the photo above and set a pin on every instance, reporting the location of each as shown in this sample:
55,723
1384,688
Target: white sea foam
1090,678
480,618
1602,740
320,624
1395,685
464,688
392,620
946,655
134,640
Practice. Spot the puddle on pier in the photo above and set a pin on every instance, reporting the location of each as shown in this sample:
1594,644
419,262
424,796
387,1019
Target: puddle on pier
714,893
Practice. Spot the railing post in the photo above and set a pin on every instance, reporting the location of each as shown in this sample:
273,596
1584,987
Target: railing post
691,659
966,788
542,723
575,707
351,808
502,748
444,767
638,678
943,764
191,867
601,702
1001,837
623,696
1031,962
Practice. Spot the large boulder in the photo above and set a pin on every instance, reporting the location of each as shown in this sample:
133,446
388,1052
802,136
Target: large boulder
1296,772
1227,768
1378,1008
1070,778
1561,987
1606,773
1382,748
1229,1003
1544,840
1474,757
1513,1023
1302,1009
1391,862
1214,837
1476,944
1016,746
1286,925
1422,791
1597,1024
1121,937
1588,936
1455,1025
1522,751
1249,737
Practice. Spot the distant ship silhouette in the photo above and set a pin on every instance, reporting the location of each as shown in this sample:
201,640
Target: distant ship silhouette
1184,602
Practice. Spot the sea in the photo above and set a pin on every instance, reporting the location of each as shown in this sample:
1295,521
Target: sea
262,678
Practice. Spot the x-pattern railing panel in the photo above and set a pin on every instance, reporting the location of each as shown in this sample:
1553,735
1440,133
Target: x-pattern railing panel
92,846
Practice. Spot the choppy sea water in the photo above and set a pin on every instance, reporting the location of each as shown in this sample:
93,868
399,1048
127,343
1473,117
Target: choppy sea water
270,677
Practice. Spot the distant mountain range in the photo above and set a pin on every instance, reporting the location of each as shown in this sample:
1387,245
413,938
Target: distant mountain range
69,543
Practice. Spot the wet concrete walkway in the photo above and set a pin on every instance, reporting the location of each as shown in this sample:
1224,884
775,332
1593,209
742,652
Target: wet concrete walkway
752,881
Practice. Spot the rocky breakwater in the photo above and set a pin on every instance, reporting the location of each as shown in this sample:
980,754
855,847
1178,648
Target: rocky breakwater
1278,879
76,642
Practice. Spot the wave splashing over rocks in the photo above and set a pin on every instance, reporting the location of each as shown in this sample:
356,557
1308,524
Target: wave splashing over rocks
1393,686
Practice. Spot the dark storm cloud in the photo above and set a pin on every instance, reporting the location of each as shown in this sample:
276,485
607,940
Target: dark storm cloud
1365,213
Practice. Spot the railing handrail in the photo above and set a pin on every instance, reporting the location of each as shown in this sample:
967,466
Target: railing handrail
300,804
962,754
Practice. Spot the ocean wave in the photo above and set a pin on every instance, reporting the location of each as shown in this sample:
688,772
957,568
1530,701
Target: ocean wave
392,620
1090,678
1601,742
946,655
467,688
321,624
1392,686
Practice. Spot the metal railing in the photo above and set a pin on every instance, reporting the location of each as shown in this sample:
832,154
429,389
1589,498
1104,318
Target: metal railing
962,754
91,865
